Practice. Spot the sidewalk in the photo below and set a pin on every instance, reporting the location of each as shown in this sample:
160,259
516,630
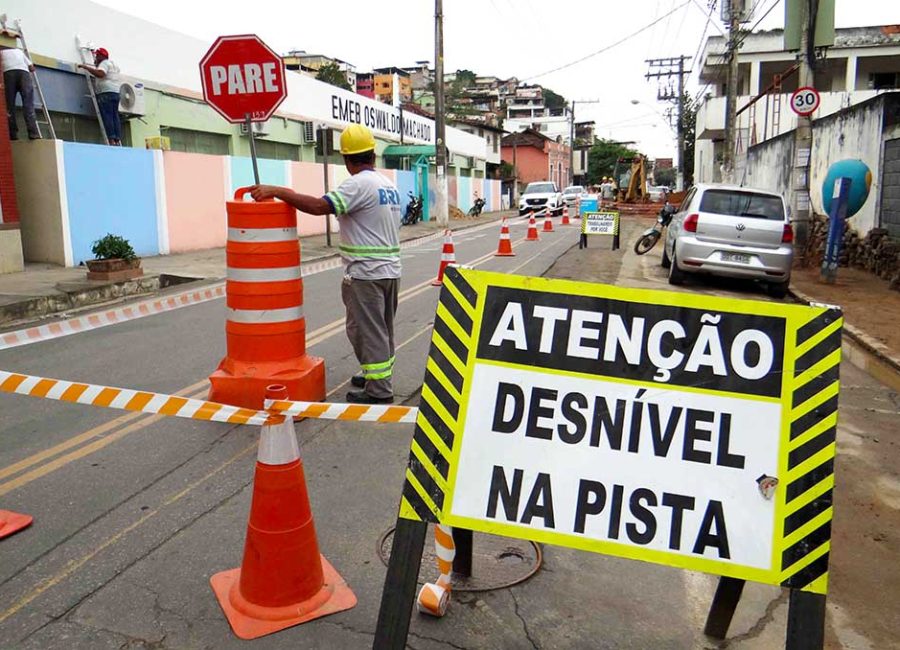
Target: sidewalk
46,290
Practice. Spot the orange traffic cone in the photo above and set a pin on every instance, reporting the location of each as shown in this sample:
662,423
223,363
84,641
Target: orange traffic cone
532,229
548,222
565,219
448,257
504,248
282,581
13,522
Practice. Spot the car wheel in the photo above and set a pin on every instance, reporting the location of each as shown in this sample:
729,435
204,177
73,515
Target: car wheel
778,289
666,262
676,275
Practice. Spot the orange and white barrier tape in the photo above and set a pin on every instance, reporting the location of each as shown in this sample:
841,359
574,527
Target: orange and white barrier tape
434,598
109,317
129,400
337,411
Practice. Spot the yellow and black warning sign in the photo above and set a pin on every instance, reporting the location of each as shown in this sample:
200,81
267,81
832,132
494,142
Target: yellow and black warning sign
605,222
687,430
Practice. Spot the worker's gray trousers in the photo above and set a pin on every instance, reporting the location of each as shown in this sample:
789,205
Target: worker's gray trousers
371,305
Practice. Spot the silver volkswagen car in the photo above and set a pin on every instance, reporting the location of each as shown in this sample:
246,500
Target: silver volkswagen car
731,231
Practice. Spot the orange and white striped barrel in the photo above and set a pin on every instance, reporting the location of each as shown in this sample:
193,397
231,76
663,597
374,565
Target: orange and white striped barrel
434,598
265,326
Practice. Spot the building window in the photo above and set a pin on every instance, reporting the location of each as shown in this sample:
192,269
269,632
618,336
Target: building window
71,128
885,80
197,141
277,150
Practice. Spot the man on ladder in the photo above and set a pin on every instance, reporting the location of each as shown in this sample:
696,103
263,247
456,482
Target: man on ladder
108,85
17,69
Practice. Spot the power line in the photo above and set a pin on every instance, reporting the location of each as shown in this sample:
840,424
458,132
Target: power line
609,47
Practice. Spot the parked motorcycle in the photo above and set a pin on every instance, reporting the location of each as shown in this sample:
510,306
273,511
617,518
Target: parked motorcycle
477,206
652,235
413,212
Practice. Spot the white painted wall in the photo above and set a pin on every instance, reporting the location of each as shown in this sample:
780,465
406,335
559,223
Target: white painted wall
163,57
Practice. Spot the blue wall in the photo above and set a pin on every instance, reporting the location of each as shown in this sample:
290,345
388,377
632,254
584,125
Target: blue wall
406,182
464,193
271,172
488,196
110,190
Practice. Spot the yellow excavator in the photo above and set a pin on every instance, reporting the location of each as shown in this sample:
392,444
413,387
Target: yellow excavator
636,191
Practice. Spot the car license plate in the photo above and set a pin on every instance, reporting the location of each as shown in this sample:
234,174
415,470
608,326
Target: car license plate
740,258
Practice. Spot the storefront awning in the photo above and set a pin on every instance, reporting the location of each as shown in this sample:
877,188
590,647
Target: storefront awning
409,150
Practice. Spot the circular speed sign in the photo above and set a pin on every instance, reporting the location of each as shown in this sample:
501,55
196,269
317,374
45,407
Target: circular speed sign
805,101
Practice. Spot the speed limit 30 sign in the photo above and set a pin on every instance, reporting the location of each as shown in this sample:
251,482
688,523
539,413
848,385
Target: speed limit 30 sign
805,101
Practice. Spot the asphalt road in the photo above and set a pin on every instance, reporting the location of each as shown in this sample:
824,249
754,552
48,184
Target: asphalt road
134,513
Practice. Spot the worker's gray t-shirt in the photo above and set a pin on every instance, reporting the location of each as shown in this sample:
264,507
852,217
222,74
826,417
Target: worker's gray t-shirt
368,209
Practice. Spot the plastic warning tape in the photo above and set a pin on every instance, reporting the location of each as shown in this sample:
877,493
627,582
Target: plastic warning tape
351,412
110,317
130,400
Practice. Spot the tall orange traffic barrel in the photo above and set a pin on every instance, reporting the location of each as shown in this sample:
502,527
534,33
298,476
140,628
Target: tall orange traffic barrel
265,327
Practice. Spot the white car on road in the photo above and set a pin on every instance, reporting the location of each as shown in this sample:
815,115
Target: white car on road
539,197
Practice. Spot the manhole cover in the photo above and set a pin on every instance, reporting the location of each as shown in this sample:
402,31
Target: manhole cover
497,562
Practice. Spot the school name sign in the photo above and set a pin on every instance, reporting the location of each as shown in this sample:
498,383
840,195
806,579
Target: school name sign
687,430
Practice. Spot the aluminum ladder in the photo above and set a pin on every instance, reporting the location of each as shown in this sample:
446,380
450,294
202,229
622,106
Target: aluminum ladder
83,50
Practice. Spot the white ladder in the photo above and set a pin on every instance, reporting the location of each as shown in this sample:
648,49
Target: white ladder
85,50
37,85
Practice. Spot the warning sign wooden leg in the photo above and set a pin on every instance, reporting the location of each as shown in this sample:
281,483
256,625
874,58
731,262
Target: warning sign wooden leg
399,595
462,561
806,621
728,594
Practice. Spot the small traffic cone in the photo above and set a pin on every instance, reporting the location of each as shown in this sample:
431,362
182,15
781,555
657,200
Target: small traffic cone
504,248
434,598
532,229
448,257
548,222
282,581
565,219
13,522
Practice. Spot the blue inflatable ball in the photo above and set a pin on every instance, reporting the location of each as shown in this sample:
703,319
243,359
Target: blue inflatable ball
860,175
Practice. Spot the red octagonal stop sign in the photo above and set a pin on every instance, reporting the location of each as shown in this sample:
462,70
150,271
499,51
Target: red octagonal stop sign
242,76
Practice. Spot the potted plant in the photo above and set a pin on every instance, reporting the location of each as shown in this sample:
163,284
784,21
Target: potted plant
115,260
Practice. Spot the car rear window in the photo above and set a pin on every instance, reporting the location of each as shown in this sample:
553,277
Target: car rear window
742,204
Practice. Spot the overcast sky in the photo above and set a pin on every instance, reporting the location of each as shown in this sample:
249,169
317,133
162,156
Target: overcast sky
522,38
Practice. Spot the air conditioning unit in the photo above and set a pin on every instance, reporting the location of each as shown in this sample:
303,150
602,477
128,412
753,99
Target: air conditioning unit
309,133
131,99
259,128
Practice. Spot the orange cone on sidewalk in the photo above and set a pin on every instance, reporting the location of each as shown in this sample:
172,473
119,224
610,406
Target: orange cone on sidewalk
13,522
282,581
504,248
448,257
532,229
565,219
548,222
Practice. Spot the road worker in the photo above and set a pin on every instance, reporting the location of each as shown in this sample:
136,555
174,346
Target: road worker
108,87
367,206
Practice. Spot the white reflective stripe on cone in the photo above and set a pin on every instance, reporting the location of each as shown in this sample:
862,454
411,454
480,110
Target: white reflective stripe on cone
278,443
280,274
262,234
264,315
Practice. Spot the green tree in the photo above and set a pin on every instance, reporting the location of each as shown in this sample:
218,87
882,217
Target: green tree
664,176
466,78
603,156
552,100
330,73
690,130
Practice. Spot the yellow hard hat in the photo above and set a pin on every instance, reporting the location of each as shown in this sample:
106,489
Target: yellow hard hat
356,139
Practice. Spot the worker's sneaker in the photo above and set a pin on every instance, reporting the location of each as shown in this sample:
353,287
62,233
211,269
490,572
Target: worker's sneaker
362,397
358,381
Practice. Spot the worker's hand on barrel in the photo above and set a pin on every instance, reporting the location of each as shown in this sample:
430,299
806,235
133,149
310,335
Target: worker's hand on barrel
263,192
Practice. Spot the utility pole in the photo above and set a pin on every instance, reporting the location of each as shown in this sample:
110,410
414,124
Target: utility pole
803,132
440,145
666,68
734,28
572,136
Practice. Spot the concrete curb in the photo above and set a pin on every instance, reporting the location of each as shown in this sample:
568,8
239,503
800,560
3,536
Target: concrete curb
866,352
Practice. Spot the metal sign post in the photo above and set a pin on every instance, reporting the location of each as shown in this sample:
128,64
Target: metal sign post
249,124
